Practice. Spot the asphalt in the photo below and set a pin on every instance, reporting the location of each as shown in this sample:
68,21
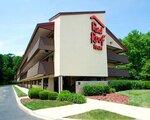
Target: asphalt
9,109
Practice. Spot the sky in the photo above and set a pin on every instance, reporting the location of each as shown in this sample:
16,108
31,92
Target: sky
18,18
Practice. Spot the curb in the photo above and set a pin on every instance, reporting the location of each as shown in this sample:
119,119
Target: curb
25,109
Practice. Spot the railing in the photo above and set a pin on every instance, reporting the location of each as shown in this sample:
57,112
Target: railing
113,57
44,68
114,72
41,44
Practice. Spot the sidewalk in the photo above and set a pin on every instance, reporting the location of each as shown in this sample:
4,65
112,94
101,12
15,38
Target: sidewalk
64,111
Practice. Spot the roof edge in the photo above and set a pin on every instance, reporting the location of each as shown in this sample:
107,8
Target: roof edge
74,13
116,39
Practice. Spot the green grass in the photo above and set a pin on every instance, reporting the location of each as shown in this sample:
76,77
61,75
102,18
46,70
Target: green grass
99,115
138,97
35,104
19,92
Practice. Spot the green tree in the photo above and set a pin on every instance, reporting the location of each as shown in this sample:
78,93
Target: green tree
9,64
138,45
1,66
145,73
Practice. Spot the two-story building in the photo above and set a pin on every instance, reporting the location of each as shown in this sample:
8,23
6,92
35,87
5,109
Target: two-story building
73,48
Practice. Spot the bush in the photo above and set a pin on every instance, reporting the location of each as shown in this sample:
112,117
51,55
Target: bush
112,90
146,84
34,92
52,95
121,85
99,89
43,95
64,95
77,98
71,97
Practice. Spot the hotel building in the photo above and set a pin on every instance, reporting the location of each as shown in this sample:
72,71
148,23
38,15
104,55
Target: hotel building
72,49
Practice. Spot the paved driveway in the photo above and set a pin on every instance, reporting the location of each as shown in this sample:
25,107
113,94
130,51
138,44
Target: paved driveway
9,109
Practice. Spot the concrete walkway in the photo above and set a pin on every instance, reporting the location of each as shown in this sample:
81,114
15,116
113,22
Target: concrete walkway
64,111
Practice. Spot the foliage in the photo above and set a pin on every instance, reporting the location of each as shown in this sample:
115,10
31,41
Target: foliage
43,95
71,97
112,90
145,73
121,85
52,95
64,95
97,89
138,45
9,64
77,98
34,92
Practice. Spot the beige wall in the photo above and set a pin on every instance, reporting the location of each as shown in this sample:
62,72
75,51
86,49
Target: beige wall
111,42
57,47
74,54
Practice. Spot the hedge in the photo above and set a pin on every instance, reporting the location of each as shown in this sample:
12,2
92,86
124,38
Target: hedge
121,85
97,89
34,92
71,97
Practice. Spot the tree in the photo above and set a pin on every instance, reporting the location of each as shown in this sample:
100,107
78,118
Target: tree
145,73
9,64
1,66
138,45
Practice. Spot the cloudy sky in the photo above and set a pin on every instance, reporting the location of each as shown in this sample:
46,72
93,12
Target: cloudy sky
18,18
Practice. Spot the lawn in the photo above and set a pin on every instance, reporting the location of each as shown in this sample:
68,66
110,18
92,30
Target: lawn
19,92
99,115
138,97
35,104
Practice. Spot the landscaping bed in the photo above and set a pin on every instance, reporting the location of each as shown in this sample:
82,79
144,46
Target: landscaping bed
100,115
35,104
112,98
40,99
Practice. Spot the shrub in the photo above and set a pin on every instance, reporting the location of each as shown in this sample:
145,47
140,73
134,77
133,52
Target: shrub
64,95
77,98
146,84
34,92
95,89
137,85
112,90
52,95
43,95
71,97
120,85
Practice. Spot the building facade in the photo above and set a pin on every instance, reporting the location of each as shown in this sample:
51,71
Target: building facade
72,49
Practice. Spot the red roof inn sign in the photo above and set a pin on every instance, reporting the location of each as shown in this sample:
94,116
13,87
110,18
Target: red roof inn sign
97,33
